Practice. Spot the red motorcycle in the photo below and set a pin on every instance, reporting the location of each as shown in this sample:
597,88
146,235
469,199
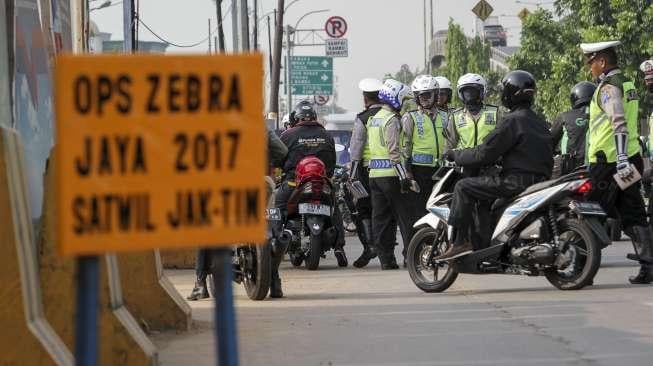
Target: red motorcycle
309,226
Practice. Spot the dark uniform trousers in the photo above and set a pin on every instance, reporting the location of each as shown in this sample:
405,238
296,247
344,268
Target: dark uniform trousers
388,205
423,175
472,198
626,205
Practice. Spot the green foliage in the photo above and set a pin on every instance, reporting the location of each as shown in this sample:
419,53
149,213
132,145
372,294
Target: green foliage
405,75
550,48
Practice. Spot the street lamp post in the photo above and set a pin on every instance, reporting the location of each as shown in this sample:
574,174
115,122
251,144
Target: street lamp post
536,3
105,4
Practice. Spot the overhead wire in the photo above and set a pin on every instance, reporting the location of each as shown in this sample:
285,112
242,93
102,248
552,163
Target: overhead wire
204,40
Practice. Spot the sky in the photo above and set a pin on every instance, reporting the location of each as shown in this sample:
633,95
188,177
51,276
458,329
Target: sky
382,34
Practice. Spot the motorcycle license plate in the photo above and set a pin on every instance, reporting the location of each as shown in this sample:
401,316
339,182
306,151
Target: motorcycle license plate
314,209
587,208
273,214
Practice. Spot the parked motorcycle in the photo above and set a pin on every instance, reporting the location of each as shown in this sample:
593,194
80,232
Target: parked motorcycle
550,229
309,227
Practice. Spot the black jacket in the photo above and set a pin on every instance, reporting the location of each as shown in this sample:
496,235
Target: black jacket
575,121
523,141
305,139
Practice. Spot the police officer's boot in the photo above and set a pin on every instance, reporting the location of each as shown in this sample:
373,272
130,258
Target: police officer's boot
369,252
200,291
643,245
279,246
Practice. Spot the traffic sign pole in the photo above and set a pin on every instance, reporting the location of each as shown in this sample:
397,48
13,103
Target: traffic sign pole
225,314
88,294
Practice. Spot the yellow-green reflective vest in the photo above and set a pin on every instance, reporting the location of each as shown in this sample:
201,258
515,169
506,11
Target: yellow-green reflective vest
380,164
601,133
428,141
472,133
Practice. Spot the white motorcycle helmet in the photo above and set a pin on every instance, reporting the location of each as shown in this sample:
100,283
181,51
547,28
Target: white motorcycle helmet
370,85
472,80
394,93
647,68
443,83
423,83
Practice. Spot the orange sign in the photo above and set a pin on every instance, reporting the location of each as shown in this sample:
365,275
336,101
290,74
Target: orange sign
159,152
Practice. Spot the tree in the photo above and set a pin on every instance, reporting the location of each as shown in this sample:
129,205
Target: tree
550,47
456,53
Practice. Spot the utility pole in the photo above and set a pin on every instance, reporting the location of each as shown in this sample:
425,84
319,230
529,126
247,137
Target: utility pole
425,40
234,25
244,26
128,25
276,69
289,31
269,45
255,46
218,11
210,48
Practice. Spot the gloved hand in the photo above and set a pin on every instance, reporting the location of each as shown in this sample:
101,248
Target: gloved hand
623,166
449,155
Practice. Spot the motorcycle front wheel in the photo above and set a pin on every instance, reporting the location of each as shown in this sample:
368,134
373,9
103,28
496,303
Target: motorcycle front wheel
578,264
257,272
425,274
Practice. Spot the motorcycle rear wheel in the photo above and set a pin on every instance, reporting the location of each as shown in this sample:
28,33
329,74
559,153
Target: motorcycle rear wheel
296,259
257,279
314,253
443,274
585,256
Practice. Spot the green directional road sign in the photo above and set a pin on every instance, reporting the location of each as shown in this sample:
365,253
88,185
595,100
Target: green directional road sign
311,75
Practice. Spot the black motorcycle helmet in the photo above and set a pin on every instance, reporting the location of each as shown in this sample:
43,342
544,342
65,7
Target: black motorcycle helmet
518,89
581,94
303,112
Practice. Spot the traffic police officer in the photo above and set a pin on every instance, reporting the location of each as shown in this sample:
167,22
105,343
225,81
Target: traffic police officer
570,127
423,142
360,160
390,184
444,93
473,122
647,68
614,148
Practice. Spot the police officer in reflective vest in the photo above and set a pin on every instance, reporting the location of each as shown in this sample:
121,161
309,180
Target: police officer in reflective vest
360,160
471,124
647,68
570,128
423,142
614,150
444,93
390,184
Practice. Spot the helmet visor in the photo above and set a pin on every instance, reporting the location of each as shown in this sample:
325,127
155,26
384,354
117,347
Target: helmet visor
471,95
426,99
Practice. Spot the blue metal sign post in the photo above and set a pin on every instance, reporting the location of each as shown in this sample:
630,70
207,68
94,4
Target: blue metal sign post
225,314
88,295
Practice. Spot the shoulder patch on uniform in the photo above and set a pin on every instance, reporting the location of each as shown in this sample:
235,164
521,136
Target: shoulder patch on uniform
605,97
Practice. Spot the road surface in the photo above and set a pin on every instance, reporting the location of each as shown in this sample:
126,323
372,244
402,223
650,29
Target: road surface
353,317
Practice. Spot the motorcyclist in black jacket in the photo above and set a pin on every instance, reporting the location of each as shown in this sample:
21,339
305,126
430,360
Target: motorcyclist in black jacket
570,128
522,140
306,137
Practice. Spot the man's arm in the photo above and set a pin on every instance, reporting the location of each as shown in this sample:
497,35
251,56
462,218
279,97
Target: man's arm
358,140
451,133
407,126
277,150
557,132
495,145
392,136
611,102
